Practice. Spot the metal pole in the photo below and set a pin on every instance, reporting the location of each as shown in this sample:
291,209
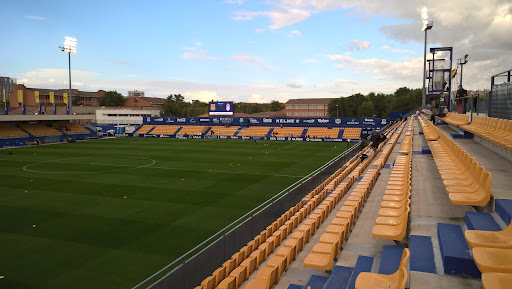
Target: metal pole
423,93
70,100
461,69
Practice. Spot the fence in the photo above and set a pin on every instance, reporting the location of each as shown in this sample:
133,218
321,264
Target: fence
190,269
500,99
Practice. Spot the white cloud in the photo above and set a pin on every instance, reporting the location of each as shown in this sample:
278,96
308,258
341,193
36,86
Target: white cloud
294,85
244,57
395,50
119,61
202,95
199,56
260,30
31,17
407,71
47,78
279,17
246,92
238,2
358,45
196,52
294,33
309,60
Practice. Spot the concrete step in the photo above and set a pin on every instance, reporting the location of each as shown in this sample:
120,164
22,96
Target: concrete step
390,260
316,282
340,277
422,254
455,252
504,209
481,221
363,264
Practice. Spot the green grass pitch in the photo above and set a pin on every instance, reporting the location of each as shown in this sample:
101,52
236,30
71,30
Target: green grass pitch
109,213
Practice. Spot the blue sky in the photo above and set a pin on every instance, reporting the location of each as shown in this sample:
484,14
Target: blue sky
238,50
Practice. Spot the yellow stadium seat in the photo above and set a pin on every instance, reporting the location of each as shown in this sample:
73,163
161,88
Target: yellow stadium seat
396,280
490,239
493,259
496,280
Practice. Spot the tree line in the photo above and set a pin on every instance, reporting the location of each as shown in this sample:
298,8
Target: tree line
356,105
175,105
375,104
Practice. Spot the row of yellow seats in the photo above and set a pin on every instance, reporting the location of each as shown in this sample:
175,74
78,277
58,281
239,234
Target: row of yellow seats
326,250
192,129
329,244
430,131
165,129
492,252
394,209
225,131
41,130
243,263
496,130
406,147
343,174
323,132
144,129
456,119
275,267
466,182
352,133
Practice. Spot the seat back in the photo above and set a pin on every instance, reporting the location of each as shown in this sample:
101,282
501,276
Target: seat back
401,273
208,282
219,275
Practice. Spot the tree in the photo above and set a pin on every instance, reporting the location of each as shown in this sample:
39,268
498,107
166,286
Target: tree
380,104
366,109
175,105
276,105
112,98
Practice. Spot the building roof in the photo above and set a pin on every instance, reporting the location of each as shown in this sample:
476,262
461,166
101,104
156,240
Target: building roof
309,101
153,100
60,91
279,113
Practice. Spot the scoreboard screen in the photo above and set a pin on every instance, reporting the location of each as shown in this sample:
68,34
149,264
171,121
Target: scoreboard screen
221,108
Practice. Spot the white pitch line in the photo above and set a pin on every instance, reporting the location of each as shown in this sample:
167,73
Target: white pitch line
291,145
150,166
226,172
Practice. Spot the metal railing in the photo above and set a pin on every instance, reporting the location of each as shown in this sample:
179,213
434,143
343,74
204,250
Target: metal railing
239,232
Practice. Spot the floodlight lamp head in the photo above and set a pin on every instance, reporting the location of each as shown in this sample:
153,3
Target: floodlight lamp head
69,45
427,25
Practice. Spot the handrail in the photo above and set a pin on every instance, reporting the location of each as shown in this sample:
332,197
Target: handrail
182,259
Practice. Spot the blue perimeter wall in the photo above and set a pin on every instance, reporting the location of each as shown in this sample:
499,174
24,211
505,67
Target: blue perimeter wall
365,123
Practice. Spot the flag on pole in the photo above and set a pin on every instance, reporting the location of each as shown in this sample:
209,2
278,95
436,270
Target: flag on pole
65,97
20,96
3,95
36,94
454,72
51,97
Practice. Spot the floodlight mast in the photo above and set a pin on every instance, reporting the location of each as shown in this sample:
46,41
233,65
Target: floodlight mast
69,47
427,25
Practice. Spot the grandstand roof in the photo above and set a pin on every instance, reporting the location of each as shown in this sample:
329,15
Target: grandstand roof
309,101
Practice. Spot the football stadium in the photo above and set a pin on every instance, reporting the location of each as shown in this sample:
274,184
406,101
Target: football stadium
404,189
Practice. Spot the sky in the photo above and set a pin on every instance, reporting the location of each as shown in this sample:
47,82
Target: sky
246,50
